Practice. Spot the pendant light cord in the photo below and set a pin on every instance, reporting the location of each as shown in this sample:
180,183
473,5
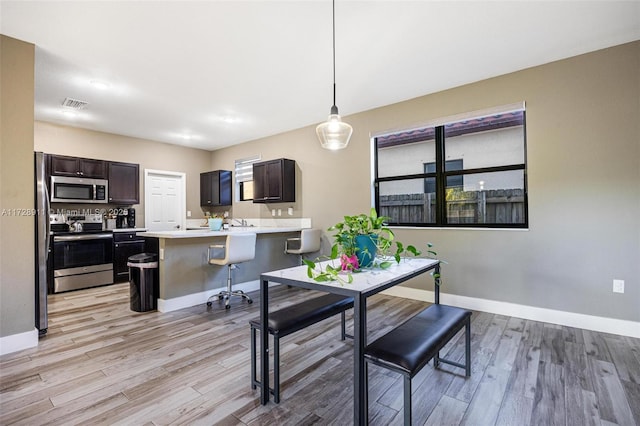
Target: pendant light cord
334,53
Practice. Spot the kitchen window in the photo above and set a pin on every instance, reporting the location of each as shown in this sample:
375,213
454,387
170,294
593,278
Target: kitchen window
244,177
469,171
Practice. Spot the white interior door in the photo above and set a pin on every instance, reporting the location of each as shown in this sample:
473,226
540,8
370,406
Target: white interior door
164,200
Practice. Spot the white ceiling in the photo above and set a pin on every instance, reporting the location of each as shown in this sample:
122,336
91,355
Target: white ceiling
180,68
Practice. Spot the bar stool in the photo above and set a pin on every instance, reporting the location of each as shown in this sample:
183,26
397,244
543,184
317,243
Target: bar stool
239,247
308,242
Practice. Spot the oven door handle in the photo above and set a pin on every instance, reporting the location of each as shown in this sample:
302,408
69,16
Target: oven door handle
82,237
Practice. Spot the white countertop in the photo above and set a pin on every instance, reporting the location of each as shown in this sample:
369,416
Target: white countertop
205,232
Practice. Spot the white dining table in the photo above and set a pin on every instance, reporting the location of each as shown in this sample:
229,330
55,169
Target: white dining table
365,283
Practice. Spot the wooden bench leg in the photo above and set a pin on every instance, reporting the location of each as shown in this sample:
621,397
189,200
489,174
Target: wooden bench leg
407,400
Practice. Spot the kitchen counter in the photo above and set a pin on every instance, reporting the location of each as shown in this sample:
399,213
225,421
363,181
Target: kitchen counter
206,232
187,279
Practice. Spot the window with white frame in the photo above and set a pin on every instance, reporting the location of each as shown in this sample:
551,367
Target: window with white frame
460,172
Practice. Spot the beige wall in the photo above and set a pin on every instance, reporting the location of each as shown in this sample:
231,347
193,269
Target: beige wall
55,139
17,256
583,150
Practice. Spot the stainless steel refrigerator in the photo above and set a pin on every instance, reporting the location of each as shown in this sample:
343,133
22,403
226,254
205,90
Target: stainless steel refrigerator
42,242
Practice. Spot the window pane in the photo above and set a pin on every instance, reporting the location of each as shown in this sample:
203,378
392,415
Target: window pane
486,142
246,190
405,153
430,183
405,201
493,198
481,180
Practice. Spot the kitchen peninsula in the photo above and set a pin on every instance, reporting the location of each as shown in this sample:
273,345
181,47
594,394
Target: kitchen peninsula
187,279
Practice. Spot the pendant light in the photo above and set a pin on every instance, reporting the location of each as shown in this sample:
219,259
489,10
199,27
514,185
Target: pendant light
334,133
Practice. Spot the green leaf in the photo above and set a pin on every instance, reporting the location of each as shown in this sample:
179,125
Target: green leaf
334,251
411,249
309,263
385,264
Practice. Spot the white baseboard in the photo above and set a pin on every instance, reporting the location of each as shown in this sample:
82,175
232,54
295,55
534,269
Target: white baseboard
18,342
570,319
173,304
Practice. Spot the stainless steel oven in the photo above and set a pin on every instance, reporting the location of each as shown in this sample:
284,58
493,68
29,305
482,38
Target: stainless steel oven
82,259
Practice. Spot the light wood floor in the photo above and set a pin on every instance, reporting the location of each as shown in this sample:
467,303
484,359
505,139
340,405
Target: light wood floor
104,364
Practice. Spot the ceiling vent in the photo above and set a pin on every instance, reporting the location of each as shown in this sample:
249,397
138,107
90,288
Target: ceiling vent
74,103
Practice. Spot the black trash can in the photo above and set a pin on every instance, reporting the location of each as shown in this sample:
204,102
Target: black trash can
143,282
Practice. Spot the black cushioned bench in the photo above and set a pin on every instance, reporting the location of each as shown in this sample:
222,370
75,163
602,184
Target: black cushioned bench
293,318
410,346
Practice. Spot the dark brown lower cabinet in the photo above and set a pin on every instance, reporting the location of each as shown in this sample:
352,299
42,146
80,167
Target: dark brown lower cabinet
125,244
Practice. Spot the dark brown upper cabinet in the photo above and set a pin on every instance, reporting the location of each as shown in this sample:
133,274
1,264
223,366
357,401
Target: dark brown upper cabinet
215,188
274,181
62,165
124,183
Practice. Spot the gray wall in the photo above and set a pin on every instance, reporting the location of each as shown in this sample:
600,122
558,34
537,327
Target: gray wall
583,140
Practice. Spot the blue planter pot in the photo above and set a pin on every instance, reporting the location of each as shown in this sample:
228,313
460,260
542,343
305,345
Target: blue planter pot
215,223
366,249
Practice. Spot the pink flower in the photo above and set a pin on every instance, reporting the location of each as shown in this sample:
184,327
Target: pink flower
349,263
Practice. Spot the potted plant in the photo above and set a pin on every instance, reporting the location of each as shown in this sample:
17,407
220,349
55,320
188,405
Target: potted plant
361,241
214,221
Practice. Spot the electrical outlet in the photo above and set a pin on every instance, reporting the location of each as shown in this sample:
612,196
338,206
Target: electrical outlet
618,286
188,213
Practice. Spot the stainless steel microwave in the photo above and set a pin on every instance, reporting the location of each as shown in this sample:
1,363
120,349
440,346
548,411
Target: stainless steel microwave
78,190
